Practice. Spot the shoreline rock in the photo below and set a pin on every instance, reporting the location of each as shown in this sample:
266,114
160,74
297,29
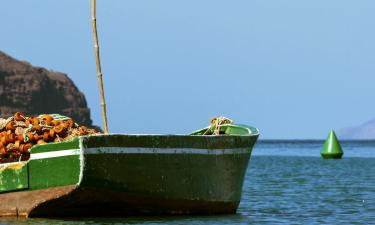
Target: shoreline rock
36,90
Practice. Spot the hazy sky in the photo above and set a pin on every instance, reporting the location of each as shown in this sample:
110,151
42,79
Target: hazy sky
292,68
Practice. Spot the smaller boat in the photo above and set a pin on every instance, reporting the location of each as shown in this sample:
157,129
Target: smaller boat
119,174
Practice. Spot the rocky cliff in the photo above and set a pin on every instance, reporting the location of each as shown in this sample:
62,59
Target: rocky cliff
35,90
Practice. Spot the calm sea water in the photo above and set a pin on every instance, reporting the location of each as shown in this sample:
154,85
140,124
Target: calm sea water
286,183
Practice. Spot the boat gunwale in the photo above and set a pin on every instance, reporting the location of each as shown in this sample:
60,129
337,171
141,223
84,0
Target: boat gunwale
241,126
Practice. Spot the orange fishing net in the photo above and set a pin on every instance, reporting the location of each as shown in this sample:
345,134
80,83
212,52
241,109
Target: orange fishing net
19,133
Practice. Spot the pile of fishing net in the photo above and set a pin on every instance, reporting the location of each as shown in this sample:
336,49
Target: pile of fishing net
19,133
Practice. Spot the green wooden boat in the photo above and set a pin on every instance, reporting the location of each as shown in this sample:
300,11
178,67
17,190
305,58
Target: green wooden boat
117,175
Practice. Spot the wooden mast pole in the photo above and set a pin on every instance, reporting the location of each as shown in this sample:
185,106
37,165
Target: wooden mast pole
98,67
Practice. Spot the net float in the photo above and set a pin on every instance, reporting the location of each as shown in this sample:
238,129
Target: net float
36,137
30,136
47,118
11,138
27,147
18,116
52,133
40,142
28,122
82,130
3,150
11,126
69,123
61,129
56,122
37,128
4,140
46,136
17,144
20,138
21,147
35,121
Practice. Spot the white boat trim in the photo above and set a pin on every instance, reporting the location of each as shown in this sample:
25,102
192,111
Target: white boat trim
61,153
136,150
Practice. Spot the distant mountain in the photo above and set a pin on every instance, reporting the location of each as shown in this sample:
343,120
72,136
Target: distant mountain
364,131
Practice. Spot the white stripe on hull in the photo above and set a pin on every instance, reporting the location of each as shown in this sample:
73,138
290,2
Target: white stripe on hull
135,150
53,154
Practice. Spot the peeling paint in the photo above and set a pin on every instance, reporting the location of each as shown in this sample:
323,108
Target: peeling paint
13,166
13,176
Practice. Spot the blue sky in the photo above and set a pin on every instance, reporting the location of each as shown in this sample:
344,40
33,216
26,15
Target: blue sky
294,69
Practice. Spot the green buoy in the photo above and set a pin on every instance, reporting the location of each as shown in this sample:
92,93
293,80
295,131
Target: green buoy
331,148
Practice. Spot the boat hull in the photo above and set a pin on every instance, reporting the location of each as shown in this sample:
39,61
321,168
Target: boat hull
114,175
73,200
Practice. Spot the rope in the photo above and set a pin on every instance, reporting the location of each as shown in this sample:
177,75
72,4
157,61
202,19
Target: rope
215,124
24,136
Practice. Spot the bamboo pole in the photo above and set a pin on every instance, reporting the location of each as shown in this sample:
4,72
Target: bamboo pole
98,67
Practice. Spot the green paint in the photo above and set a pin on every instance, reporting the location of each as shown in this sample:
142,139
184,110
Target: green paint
53,172
169,141
72,144
175,176
13,176
232,129
332,148
184,176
